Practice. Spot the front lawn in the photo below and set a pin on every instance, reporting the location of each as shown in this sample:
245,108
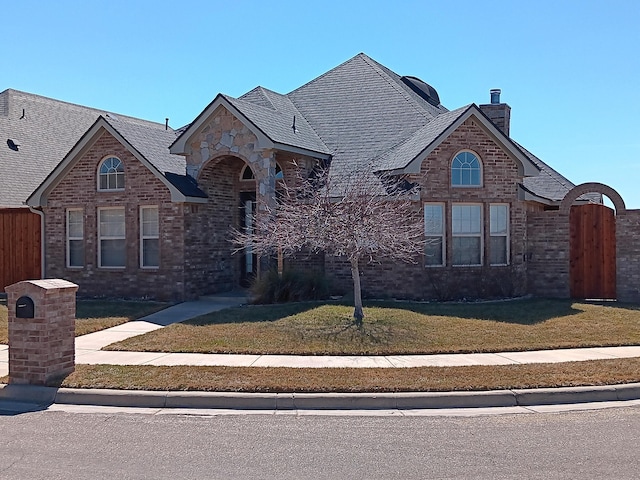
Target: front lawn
398,328
94,315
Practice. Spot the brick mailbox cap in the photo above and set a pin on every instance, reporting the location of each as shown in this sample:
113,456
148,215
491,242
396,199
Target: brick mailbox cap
45,284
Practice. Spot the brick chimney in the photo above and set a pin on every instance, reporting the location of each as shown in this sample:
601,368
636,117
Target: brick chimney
498,113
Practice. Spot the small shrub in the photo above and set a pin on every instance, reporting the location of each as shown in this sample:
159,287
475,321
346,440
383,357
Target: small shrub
291,286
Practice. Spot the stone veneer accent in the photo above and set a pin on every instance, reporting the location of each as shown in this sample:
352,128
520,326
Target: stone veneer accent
225,135
43,347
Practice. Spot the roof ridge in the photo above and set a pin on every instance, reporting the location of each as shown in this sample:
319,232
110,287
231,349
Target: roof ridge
326,73
377,67
263,91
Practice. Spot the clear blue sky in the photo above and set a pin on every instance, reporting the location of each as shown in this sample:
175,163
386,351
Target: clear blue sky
570,69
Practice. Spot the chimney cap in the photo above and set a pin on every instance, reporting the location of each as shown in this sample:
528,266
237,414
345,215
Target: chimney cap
495,95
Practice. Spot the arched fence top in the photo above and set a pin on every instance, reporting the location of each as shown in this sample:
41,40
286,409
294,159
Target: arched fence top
592,187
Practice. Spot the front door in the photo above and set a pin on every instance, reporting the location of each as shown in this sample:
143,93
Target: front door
248,259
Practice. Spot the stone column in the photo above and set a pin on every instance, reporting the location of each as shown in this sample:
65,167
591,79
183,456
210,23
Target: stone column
42,316
266,199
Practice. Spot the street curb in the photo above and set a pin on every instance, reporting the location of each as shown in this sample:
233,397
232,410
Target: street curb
44,396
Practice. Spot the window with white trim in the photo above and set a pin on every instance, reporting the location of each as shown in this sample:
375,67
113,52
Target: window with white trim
75,237
149,237
466,234
111,174
466,170
498,234
111,237
434,249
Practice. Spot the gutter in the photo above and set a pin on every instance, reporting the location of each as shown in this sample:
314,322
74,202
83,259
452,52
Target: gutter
42,249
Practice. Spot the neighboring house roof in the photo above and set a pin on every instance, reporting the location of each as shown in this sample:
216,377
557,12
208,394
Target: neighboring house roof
45,129
147,141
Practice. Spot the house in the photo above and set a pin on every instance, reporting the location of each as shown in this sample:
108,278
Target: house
134,208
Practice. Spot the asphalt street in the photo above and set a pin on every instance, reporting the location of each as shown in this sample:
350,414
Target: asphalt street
57,444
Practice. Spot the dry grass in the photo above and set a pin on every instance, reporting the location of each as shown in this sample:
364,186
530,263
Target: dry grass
398,328
95,315
254,379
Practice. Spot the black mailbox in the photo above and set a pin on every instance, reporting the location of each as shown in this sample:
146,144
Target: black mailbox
24,308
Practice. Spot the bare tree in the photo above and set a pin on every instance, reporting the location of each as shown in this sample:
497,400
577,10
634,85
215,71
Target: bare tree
361,217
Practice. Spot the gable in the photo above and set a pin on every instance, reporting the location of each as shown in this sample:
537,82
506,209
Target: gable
407,156
273,120
100,128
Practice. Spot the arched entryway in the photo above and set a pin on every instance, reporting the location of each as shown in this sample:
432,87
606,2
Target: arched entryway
592,242
230,185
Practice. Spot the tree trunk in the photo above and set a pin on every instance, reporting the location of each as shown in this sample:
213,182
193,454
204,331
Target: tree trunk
358,314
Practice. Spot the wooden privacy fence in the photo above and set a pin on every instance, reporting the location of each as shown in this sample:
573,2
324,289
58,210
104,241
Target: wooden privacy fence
20,246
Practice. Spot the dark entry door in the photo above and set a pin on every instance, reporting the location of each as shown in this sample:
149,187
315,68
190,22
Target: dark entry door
593,251
248,259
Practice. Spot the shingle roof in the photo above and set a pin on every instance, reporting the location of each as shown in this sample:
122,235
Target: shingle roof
361,109
549,183
362,114
401,154
47,129
274,114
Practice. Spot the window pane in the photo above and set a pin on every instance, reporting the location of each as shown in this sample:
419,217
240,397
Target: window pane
150,226
76,253
466,250
76,224
466,219
433,221
433,251
498,218
112,223
498,250
151,252
112,253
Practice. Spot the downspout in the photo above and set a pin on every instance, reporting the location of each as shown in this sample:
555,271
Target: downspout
42,249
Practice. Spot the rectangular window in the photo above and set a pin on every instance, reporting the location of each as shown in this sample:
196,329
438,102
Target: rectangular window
149,237
499,234
111,235
466,227
434,234
75,237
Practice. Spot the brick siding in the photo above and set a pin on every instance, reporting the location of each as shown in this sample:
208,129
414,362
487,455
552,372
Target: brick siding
78,189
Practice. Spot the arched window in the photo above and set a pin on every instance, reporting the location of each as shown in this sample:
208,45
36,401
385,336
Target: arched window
466,170
247,173
279,172
111,174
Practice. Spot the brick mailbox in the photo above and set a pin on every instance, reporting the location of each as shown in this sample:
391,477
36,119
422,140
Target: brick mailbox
42,317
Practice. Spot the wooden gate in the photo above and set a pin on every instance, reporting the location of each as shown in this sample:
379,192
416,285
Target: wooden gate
20,246
593,252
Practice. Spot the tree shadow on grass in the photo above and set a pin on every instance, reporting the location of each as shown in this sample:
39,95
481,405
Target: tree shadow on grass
520,312
254,313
